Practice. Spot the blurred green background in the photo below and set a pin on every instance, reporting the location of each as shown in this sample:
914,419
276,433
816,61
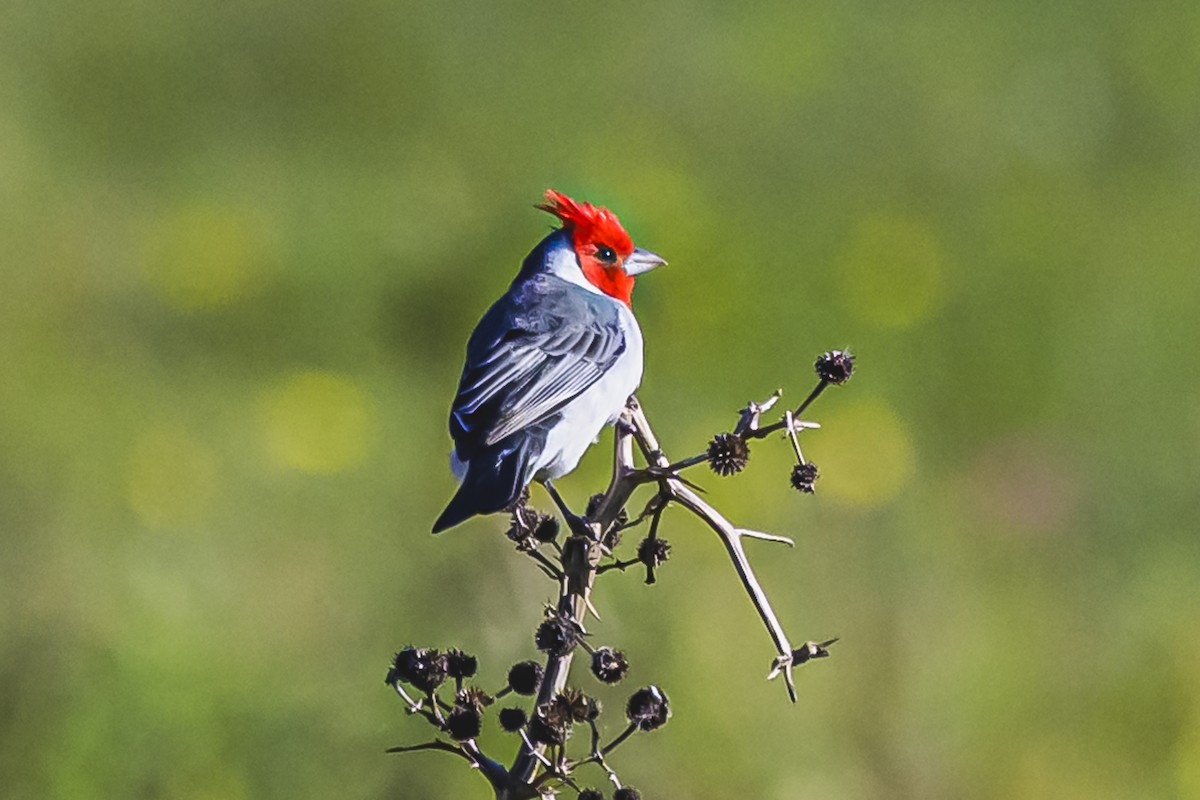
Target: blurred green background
243,244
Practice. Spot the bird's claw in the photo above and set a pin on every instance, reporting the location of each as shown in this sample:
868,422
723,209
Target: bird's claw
577,524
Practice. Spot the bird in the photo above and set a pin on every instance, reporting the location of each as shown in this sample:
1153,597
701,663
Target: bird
550,364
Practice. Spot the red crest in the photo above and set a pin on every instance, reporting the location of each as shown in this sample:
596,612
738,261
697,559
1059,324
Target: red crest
589,224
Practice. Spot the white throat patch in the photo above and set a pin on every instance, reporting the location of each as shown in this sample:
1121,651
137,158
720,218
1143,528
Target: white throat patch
561,261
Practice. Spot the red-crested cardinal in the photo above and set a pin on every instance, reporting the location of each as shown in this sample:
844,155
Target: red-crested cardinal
550,364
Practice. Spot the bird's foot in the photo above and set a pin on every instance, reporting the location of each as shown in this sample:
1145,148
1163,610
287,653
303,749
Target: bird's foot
576,523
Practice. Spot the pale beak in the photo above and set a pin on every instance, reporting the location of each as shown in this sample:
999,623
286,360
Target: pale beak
640,261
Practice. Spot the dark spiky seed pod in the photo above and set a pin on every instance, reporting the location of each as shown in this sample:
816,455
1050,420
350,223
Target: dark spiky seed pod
728,454
393,674
835,367
460,665
612,536
513,719
804,476
609,665
544,730
421,668
464,722
473,696
518,535
521,527
404,666
525,677
653,552
648,708
573,706
591,794
556,713
591,709
546,530
557,635
594,503
627,793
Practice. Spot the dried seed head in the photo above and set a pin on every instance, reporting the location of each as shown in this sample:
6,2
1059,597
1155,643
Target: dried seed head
804,476
612,536
653,552
527,527
592,709
609,665
648,708
573,706
547,729
513,719
557,635
421,668
525,677
557,712
728,453
460,665
394,671
464,722
614,531
591,794
474,697
835,367
627,793
546,530
593,503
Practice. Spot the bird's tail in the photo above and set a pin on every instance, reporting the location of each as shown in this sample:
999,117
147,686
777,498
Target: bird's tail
494,480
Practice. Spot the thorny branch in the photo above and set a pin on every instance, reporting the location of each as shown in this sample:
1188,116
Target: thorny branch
580,557
730,535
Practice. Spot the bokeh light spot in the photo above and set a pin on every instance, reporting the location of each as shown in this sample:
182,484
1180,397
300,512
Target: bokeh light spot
1188,763
170,478
1187,746
890,271
317,422
206,255
873,458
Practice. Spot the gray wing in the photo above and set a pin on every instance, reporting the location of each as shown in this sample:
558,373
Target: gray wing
535,350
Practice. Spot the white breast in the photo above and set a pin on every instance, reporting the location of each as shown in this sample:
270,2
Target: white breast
601,404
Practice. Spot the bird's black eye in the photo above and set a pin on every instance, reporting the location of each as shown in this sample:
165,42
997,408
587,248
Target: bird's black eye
606,254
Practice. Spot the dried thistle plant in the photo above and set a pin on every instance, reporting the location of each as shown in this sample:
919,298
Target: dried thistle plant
549,758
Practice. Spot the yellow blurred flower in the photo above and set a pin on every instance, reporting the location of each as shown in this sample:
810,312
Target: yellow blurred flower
206,255
872,459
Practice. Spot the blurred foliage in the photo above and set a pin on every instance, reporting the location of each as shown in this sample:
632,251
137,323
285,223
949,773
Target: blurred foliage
243,244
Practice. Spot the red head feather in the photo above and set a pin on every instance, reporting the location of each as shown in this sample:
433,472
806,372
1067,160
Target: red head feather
588,224
592,227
